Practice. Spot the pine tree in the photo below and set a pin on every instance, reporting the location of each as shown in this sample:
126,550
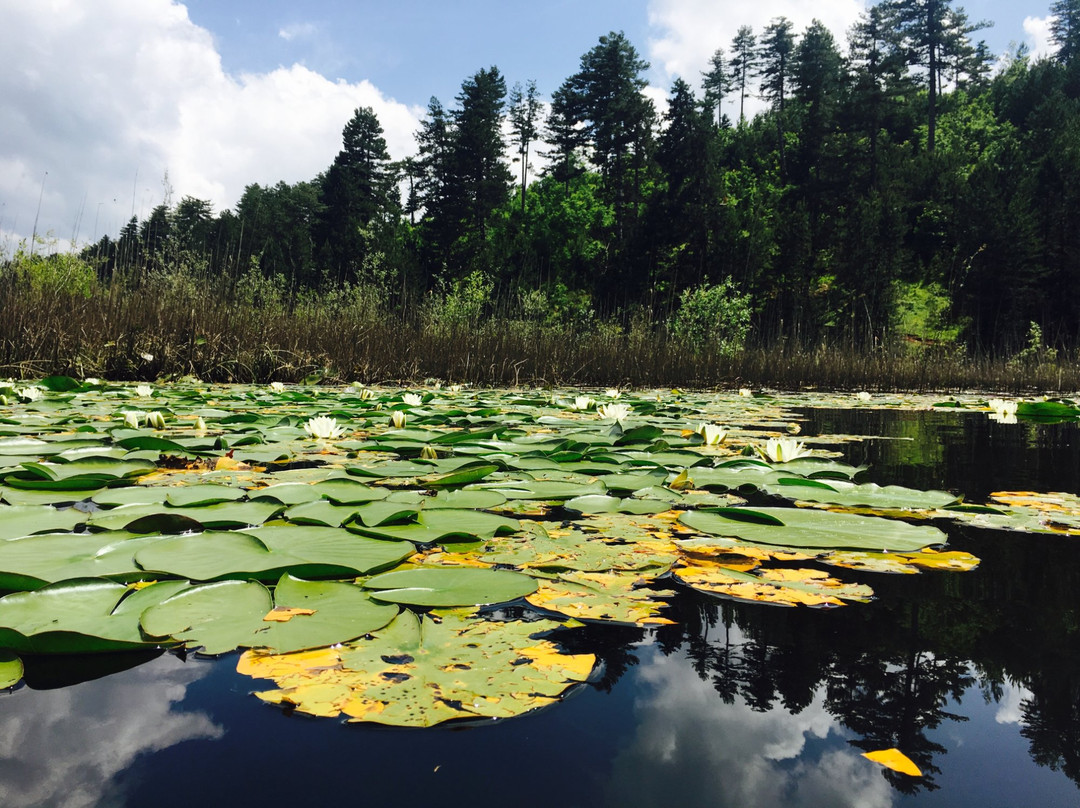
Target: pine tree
743,65
717,83
775,57
524,123
1065,29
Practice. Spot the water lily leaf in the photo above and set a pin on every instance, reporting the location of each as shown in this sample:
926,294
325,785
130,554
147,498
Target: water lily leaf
321,512
783,587
98,468
150,517
34,561
600,503
894,759
202,494
419,672
546,490
461,477
266,553
24,520
131,495
394,468
439,524
287,493
11,669
869,495
904,563
435,586
81,615
18,496
374,514
459,499
223,616
803,528
342,491
1046,409
608,597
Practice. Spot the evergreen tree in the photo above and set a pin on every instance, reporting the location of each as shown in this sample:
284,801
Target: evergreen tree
775,55
358,190
566,137
478,152
1065,29
743,65
717,83
524,123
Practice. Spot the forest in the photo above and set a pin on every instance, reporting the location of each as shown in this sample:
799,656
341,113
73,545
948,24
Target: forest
913,189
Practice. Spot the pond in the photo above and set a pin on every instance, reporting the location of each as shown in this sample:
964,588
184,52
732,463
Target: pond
975,675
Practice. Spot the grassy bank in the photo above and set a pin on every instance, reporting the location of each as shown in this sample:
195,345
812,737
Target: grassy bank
174,325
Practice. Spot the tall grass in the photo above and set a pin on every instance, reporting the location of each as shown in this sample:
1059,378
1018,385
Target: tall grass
176,324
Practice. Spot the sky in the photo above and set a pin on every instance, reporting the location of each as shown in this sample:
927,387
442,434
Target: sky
110,107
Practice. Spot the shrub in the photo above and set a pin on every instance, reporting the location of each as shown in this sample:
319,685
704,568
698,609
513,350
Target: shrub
712,317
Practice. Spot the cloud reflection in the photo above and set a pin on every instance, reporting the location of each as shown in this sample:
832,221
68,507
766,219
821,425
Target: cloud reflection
61,748
692,749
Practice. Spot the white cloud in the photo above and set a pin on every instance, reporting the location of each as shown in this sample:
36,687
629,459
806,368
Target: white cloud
1010,704
690,31
298,30
1037,30
64,747
107,98
695,746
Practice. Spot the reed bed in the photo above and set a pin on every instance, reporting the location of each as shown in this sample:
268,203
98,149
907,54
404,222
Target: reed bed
161,329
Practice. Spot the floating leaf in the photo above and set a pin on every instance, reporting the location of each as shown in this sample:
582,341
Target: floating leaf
783,587
24,520
896,760
819,529
609,597
11,669
267,552
79,616
420,672
220,617
463,586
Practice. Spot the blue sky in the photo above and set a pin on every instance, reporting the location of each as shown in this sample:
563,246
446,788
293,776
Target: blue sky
101,100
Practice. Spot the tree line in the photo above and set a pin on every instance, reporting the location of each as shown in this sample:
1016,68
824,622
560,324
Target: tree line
911,185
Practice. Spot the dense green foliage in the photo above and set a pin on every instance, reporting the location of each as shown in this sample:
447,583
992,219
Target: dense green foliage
902,177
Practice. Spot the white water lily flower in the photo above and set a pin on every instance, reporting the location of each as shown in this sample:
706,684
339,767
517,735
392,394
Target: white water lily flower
1003,419
582,403
277,387
200,424
398,419
144,390
324,428
412,399
745,392
619,412
133,419
91,380
713,435
1003,408
156,419
454,388
783,450
363,393
613,392
862,395
31,393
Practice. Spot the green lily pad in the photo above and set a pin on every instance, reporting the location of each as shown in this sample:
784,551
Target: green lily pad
268,552
221,617
81,615
11,669
447,586
24,520
815,529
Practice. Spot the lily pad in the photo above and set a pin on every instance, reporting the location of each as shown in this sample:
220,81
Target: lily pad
419,672
445,586
803,528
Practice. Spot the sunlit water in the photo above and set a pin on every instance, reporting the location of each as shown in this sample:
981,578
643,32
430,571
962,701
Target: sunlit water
975,676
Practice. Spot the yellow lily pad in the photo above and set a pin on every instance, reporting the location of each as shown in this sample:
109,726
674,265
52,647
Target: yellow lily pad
896,760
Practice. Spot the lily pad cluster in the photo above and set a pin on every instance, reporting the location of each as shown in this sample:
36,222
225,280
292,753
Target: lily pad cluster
360,543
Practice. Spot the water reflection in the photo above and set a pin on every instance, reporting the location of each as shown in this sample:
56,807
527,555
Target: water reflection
63,747
975,676
709,752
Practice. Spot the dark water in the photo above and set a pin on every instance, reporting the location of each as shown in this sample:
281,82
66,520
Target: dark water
975,676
